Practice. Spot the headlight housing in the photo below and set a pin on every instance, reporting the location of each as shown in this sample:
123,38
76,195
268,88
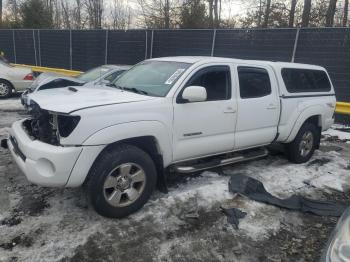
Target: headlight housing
66,124
338,249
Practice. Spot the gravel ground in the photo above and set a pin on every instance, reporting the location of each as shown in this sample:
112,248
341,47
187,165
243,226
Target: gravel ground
50,224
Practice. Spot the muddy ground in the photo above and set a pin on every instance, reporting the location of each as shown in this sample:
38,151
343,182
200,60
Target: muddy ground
43,224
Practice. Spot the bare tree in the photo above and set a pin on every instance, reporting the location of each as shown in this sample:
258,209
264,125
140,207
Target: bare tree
330,12
292,13
346,12
13,7
95,11
66,15
216,13
260,13
267,13
306,13
166,10
159,13
120,14
211,19
0,13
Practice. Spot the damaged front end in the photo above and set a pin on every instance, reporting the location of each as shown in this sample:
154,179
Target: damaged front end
49,127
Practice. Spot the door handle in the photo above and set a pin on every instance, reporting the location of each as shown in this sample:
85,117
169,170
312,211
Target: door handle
271,107
229,110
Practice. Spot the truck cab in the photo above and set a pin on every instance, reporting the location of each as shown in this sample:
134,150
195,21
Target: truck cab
173,114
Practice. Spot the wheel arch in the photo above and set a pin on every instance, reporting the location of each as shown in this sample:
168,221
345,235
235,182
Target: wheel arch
310,115
150,145
7,81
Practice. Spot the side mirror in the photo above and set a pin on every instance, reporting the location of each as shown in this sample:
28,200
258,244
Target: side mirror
194,94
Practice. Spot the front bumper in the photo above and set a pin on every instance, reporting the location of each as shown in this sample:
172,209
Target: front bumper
43,164
24,98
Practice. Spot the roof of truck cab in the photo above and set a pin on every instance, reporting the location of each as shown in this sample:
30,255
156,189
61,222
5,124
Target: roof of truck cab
123,67
208,59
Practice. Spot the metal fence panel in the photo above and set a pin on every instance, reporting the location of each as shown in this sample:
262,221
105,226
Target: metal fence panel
84,49
126,47
88,48
182,42
6,44
54,48
328,47
275,45
25,52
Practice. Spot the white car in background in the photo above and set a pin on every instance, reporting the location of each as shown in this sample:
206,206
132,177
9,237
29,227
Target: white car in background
104,74
14,79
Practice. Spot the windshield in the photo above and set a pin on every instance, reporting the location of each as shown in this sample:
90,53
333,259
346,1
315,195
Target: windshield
153,78
94,73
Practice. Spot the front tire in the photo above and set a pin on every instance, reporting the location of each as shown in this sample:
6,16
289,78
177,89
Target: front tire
301,149
121,181
5,89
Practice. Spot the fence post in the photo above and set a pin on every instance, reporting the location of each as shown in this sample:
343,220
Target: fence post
39,47
14,45
146,43
213,43
106,52
70,50
151,52
295,44
34,43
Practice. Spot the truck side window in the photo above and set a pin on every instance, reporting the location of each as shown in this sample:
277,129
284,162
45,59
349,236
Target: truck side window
216,80
305,80
253,82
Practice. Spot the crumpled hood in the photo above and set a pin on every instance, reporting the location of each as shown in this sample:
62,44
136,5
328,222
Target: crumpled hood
45,78
64,100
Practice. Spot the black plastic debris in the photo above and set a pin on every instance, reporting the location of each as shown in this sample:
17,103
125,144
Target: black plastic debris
233,215
255,190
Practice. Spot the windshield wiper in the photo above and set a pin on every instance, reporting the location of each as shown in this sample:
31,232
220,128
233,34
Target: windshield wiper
114,85
132,89
135,90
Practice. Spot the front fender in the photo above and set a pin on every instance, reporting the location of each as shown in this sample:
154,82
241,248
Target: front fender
129,130
314,110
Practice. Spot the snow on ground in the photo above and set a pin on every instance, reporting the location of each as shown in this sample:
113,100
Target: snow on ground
13,104
4,131
57,224
337,133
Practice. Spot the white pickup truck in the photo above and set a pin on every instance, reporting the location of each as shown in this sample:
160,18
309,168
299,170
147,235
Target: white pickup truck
181,114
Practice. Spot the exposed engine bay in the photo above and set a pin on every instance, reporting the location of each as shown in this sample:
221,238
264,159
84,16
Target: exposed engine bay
49,127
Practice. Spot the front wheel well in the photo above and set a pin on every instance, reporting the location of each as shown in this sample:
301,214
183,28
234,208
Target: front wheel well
149,144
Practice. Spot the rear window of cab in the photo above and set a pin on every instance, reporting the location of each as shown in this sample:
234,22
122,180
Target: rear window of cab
305,80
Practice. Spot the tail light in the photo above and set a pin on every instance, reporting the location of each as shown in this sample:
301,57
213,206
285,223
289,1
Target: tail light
29,77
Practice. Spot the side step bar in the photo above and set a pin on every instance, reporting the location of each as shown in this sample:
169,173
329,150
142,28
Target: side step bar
221,161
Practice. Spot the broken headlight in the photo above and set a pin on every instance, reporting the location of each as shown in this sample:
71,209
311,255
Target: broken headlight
66,124
338,249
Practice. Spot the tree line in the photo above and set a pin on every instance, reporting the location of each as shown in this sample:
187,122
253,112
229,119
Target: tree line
167,14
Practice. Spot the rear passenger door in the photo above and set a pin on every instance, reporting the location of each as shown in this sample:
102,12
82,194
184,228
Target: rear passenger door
258,106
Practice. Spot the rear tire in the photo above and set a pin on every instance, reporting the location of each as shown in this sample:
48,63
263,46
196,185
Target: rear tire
5,89
301,149
121,181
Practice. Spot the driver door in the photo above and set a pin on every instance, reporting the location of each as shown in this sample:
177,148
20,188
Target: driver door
205,128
